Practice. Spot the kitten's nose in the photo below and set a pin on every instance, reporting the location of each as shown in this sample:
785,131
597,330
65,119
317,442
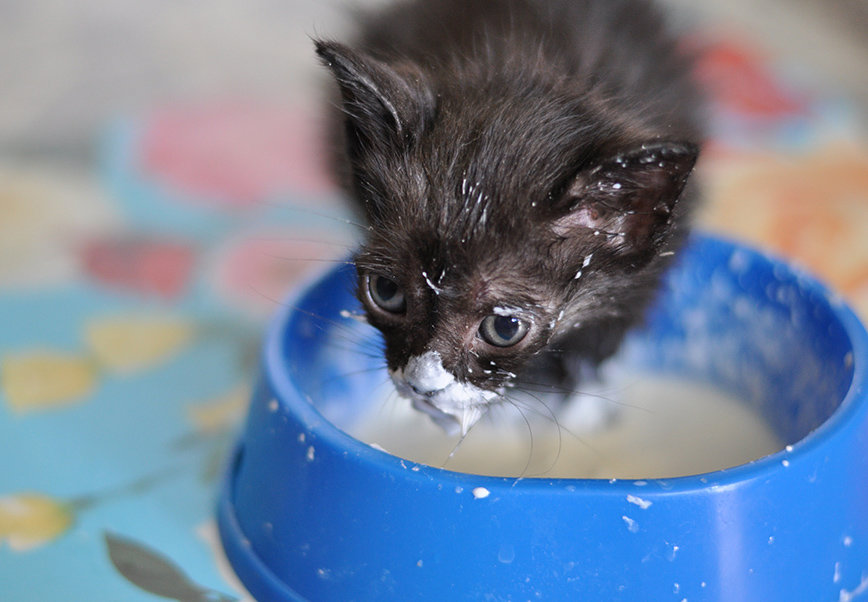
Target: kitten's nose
425,374
421,389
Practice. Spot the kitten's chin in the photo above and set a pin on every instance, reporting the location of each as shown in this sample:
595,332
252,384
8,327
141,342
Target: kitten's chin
455,408
451,423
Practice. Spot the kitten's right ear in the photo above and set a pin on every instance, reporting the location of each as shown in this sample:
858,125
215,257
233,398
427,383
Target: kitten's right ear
384,105
628,200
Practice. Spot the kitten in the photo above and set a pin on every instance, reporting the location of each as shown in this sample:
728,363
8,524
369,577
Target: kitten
522,167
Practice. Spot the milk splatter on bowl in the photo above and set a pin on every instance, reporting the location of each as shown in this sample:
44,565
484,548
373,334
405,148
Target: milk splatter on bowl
309,512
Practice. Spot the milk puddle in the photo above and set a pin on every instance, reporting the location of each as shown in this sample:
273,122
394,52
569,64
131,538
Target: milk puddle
636,427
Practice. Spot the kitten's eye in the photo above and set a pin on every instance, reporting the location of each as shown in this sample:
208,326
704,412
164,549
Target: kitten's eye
386,293
502,331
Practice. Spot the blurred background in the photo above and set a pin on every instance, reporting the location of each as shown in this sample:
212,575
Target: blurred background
162,186
66,68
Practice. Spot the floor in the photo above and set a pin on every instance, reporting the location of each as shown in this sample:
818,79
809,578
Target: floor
160,189
67,68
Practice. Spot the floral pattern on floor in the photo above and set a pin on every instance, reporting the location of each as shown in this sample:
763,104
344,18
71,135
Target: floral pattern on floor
133,298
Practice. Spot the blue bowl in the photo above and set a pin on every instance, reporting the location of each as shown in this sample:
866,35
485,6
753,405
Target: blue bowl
309,512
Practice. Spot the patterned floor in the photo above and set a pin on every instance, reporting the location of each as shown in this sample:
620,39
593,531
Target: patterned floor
160,189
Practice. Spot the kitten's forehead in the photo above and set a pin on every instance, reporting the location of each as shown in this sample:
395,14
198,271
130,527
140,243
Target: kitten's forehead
507,144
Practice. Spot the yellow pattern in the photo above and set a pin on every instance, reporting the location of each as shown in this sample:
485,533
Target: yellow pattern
29,520
221,412
35,380
128,344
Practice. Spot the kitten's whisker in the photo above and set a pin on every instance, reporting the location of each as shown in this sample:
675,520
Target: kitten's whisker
370,354
307,210
393,400
318,241
551,415
343,342
544,387
325,321
554,419
352,343
313,259
350,374
527,423
464,436
339,329
455,448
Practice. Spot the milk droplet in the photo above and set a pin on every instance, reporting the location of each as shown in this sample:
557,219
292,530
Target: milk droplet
643,504
481,493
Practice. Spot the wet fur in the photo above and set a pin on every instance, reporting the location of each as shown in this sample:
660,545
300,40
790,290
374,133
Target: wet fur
493,147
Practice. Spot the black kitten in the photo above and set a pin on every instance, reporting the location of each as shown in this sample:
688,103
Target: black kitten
522,165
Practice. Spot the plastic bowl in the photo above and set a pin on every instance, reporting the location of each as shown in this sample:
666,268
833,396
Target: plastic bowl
308,512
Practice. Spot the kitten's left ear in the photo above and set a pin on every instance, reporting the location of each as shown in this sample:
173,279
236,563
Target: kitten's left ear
386,105
629,199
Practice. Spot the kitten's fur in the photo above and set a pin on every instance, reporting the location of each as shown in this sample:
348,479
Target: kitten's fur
516,158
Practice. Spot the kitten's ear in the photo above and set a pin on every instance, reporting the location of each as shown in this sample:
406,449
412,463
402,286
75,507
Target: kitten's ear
385,105
628,200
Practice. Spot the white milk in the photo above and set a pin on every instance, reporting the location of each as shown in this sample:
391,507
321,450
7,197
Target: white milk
644,427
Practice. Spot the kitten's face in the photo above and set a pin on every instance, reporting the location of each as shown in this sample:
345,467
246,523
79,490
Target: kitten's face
457,327
497,224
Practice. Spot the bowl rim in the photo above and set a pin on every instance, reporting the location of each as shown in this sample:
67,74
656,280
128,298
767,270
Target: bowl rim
854,402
